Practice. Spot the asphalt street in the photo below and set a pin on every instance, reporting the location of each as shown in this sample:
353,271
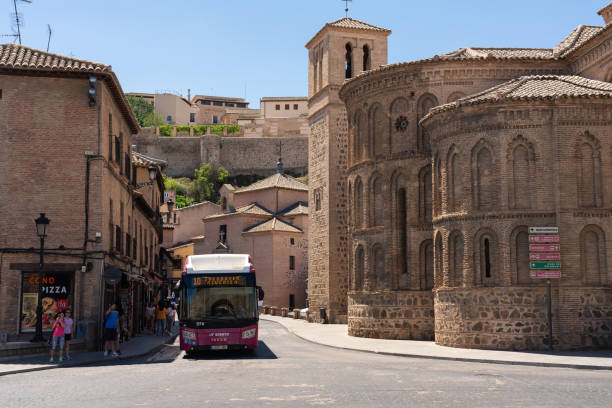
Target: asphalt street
289,372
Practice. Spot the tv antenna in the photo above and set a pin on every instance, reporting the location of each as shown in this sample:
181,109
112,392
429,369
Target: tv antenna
18,21
49,39
346,2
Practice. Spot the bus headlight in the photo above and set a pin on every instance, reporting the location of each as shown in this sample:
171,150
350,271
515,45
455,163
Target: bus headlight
187,335
248,334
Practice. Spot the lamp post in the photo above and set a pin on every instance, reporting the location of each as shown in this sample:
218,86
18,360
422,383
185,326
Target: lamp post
152,175
42,224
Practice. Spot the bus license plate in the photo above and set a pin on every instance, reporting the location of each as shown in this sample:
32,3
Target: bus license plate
218,347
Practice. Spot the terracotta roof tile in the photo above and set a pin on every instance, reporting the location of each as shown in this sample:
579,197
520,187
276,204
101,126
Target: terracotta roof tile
250,209
477,53
273,224
575,39
347,22
140,160
278,180
534,87
16,56
299,208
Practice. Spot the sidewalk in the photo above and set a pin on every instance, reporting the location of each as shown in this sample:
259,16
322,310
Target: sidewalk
136,347
335,335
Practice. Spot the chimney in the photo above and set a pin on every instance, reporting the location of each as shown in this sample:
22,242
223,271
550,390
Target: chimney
606,13
189,95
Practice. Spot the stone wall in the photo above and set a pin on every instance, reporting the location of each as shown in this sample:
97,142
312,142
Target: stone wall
238,155
391,315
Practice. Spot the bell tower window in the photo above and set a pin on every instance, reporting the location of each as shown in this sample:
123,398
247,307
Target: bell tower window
348,64
366,58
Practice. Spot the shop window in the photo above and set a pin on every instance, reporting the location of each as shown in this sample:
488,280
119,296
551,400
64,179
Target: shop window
57,291
292,262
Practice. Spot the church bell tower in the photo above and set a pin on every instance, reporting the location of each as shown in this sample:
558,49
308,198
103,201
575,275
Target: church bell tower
341,50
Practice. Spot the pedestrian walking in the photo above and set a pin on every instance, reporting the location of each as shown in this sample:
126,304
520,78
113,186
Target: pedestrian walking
111,329
170,314
58,336
150,316
68,322
160,319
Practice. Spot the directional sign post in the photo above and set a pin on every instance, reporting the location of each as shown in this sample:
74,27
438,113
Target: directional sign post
545,262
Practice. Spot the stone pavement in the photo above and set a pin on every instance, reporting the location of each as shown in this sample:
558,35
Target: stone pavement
336,335
136,347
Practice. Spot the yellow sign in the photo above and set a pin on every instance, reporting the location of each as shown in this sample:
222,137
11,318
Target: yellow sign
210,281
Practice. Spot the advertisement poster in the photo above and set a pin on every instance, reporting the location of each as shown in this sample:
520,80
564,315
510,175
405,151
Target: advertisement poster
56,295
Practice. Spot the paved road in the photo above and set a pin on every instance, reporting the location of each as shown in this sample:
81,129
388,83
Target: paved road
289,372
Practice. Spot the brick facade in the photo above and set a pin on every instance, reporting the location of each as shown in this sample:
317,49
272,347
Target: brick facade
426,197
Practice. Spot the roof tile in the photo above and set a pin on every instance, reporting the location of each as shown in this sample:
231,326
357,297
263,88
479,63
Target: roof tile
575,39
273,224
278,180
16,56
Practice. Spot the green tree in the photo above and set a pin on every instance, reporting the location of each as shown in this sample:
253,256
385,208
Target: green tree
183,201
144,112
203,184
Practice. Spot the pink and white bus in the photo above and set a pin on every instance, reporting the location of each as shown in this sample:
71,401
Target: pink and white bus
218,303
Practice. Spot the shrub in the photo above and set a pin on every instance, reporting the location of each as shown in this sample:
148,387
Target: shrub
165,130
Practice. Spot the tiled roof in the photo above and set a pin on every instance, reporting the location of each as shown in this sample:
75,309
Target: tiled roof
299,208
18,56
575,39
280,98
250,209
534,87
476,53
273,224
278,180
140,160
347,22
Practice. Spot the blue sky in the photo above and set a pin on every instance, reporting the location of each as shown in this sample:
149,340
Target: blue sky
222,47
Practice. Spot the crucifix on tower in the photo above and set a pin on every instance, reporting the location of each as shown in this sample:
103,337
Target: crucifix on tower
346,2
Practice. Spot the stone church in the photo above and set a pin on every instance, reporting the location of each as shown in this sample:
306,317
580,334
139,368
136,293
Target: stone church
426,176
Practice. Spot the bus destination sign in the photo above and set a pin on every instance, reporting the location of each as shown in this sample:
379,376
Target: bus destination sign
211,281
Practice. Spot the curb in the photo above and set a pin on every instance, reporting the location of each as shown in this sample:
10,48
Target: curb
460,359
86,363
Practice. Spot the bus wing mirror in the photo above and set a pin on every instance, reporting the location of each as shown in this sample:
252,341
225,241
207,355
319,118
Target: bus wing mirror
260,293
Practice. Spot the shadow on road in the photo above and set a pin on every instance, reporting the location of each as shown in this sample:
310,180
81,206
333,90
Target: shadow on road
262,352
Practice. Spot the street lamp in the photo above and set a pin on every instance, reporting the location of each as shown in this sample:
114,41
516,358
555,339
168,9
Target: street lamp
152,172
42,224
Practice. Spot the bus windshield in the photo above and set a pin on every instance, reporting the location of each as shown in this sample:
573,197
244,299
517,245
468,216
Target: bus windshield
213,303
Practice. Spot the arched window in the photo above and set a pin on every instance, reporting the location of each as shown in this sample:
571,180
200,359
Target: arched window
483,178
348,62
358,267
455,259
486,257
427,264
454,96
426,102
521,256
366,58
437,186
360,137
379,280
588,155
398,126
439,258
377,131
358,213
454,180
522,162
593,255
425,195
376,201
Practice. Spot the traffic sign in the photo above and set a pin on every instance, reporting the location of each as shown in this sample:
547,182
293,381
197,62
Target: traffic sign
544,247
545,274
544,238
540,256
545,265
543,230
